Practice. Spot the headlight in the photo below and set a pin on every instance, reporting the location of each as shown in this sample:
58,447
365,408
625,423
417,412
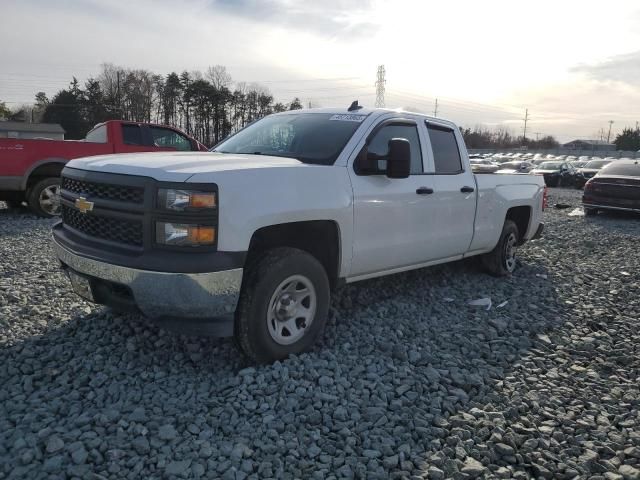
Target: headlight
180,200
185,234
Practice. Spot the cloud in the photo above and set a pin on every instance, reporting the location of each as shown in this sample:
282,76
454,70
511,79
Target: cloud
329,18
621,68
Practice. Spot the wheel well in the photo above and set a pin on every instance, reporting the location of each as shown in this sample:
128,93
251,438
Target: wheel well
521,216
320,238
52,169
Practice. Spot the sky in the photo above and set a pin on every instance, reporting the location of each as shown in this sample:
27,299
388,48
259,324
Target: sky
574,65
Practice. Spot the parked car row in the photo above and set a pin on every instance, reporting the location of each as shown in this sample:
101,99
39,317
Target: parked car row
557,170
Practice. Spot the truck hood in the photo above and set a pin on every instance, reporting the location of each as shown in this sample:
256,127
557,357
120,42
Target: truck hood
179,166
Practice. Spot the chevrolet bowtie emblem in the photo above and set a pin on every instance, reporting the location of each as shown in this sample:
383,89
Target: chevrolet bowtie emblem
83,205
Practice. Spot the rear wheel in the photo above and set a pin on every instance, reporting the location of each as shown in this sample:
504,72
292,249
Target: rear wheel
283,305
501,261
44,197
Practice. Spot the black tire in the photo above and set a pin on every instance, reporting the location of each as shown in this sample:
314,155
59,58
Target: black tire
262,279
34,199
499,262
589,212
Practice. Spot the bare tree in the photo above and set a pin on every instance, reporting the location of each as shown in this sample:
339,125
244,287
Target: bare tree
219,77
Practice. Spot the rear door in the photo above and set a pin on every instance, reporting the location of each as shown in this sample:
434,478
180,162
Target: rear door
454,196
393,217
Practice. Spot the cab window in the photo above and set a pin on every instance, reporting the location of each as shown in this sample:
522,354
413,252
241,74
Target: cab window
379,144
446,154
167,138
132,135
97,135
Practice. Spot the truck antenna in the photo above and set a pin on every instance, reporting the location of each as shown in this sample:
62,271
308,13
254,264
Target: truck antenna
354,106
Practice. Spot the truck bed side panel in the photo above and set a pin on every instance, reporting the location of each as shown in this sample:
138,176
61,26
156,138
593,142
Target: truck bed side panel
496,195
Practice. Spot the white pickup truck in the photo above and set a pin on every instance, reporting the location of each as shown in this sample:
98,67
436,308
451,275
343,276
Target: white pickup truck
249,239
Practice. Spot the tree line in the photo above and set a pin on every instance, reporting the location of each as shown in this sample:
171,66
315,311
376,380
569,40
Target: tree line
628,140
480,137
208,106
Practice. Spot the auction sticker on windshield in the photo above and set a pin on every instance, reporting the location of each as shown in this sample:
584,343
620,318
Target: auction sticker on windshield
345,117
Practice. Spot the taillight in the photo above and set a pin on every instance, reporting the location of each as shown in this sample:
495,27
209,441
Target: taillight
544,198
588,185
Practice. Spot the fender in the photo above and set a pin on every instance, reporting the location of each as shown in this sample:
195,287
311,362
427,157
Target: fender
39,163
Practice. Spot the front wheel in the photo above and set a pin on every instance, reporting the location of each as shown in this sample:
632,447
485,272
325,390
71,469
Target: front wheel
44,197
283,305
501,261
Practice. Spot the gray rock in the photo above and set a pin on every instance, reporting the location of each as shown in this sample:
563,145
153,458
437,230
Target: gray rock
434,473
629,473
79,456
141,445
178,468
504,450
54,444
472,467
167,432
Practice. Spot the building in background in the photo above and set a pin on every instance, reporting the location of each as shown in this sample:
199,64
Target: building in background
51,131
593,145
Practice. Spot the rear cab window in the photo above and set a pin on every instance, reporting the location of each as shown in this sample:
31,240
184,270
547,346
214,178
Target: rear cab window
97,135
446,153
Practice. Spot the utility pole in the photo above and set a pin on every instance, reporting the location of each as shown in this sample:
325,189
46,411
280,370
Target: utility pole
537,134
435,109
526,119
380,87
609,135
118,93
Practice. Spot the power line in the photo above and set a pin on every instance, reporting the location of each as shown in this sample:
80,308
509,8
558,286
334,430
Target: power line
380,87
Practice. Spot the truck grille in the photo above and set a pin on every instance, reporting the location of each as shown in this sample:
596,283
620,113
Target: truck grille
115,229
119,193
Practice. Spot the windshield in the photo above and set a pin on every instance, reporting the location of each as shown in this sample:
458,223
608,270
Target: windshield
309,137
597,163
550,165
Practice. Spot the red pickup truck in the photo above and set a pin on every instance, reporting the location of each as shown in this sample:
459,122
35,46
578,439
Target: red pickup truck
30,169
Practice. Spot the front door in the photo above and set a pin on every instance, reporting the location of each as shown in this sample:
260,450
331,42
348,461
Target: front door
392,217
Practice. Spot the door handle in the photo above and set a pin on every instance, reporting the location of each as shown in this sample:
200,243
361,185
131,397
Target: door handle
424,191
467,189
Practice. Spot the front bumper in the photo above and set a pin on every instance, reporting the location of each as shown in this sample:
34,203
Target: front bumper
190,302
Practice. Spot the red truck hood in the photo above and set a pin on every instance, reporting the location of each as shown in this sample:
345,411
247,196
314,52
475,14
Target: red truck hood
178,167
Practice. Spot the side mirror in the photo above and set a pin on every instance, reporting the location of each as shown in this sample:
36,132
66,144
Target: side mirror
399,161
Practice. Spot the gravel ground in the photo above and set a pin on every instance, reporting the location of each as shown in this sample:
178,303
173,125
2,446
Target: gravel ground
410,381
